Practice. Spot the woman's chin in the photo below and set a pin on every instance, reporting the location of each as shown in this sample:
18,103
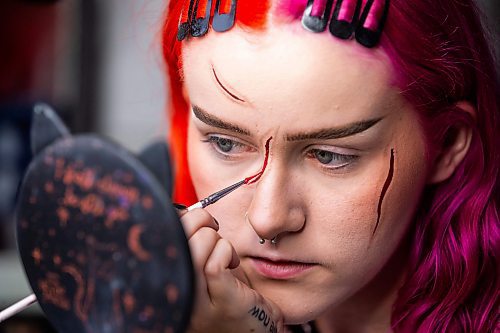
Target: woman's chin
295,308
297,315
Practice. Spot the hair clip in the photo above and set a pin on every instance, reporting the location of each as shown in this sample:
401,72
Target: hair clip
367,36
184,21
199,25
347,20
224,22
344,27
313,22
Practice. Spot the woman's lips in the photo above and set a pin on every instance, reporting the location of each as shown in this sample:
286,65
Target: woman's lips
279,269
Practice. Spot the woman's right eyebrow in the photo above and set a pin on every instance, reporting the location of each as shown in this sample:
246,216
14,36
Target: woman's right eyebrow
213,121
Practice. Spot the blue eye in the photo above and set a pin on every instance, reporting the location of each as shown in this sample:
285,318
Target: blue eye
330,159
225,146
323,156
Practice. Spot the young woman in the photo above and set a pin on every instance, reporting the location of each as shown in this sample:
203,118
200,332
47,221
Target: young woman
378,210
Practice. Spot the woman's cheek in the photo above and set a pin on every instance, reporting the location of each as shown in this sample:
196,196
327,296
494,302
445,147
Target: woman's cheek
357,216
208,172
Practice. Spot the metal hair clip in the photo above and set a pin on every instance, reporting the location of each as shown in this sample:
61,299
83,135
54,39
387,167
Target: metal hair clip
224,22
184,26
341,28
365,36
199,25
316,23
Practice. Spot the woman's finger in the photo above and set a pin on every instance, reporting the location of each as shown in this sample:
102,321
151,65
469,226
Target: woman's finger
180,208
234,300
201,245
196,219
221,283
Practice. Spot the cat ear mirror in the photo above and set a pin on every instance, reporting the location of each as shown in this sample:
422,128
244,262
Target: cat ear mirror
46,128
156,158
101,243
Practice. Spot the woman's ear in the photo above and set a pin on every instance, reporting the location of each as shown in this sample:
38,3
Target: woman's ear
454,148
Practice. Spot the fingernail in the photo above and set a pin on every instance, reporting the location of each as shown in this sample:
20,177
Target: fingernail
180,206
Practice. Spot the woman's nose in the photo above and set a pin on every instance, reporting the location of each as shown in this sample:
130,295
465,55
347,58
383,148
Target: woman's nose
276,207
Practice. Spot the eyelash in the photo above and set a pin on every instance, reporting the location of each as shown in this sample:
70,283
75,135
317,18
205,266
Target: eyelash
345,159
214,140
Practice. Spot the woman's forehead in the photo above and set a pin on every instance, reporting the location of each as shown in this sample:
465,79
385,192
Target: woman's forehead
286,66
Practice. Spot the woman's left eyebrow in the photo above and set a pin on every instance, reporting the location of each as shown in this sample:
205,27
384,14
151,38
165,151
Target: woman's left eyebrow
336,132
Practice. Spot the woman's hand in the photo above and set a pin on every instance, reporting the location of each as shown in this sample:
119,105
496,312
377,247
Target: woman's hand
224,302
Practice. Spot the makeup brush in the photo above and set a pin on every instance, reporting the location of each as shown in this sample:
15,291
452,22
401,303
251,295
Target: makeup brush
18,307
214,197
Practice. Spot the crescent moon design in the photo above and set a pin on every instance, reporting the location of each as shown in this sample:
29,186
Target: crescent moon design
134,243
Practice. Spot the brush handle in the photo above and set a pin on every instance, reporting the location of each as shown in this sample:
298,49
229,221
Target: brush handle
194,206
17,307
213,198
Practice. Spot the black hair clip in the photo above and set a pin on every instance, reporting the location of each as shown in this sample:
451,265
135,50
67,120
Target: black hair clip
316,23
224,22
342,28
184,26
199,25
368,37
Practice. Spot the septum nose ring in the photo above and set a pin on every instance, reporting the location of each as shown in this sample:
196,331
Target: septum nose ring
274,241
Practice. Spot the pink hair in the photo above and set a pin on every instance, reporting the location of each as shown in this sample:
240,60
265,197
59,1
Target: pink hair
440,57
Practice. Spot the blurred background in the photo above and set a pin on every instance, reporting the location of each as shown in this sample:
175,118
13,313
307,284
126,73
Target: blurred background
98,63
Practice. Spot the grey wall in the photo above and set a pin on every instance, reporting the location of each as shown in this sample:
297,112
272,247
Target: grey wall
132,84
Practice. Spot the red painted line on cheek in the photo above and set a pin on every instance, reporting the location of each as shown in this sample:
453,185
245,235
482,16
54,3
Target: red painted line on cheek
256,177
387,183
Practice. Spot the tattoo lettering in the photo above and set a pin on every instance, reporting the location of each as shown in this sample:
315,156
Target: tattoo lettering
263,317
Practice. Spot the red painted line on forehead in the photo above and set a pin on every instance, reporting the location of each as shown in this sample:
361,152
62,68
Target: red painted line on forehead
224,88
256,177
